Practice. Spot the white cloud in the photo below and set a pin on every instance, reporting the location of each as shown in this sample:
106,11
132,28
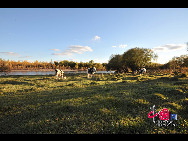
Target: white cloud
96,38
25,57
74,49
9,53
30,61
97,60
55,49
169,47
121,46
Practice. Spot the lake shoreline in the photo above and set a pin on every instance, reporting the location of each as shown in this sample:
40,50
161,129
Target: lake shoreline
45,72
39,70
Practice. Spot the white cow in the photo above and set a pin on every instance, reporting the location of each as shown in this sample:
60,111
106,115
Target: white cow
142,71
90,72
60,74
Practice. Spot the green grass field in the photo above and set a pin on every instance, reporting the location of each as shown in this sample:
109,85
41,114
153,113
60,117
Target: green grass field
105,104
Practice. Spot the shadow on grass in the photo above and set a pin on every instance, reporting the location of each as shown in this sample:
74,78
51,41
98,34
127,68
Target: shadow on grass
110,108
16,83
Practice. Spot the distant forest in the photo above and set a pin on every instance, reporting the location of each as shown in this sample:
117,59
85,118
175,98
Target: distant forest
130,61
7,65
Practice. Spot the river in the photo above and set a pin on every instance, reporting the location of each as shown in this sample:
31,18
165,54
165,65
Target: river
44,72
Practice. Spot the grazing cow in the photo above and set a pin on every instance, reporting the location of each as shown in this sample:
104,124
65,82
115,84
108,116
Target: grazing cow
90,72
142,71
60,74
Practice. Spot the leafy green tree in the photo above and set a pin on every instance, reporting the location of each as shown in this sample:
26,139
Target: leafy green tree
91,61
4,65
80,65
136,58
56,63
176,62
71,64
76,65
115,63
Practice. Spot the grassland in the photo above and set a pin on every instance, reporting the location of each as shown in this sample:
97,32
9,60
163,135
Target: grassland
106,104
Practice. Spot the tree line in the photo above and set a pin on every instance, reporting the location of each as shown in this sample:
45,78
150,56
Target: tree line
136,58
8,65
131,60
65,64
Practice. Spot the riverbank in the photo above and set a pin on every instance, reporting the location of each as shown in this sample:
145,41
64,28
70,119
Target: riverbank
47,72
40,70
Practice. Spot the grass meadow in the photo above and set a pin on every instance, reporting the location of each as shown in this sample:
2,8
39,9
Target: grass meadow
106,104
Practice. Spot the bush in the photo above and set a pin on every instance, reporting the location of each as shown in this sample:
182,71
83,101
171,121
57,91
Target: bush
114,78
124,81
72,84
93,83
183,75
165,78
175,73
174,79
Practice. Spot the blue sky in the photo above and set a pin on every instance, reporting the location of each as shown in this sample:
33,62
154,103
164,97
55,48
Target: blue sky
83,34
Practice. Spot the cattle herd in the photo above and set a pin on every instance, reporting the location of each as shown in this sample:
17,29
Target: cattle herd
90,73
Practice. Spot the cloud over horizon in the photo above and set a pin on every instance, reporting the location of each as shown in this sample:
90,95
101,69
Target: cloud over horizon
96,38
55,49
9,53
25,57
169,47
121,46
74,49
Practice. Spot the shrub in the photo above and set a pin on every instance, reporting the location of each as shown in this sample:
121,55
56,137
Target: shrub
124,81
93,83
174,79
183,75
165,78
72,84
114,78
175,73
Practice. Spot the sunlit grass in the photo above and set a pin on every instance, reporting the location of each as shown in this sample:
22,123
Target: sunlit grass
104,104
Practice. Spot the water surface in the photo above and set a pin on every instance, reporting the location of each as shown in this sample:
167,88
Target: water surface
44,72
